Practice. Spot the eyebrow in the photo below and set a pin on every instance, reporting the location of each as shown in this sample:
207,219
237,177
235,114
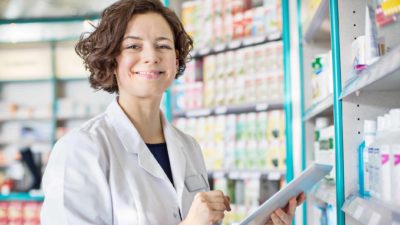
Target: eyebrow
141,39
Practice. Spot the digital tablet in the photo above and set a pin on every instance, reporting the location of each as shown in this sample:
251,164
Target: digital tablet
302,183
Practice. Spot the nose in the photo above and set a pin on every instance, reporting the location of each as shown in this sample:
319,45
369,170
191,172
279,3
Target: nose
150,55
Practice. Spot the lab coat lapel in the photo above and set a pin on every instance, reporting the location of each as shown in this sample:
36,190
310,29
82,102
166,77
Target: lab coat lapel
176,157
133,142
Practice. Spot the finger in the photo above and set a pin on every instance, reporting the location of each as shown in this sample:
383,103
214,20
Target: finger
216,216
201,196
216,193
301,198
216,196
291,207
217,206
228,203
287,206
275,219
287,219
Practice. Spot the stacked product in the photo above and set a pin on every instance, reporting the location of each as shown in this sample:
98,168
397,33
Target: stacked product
324,149
244,141
17,110
73,108
19,212
247,75
246,193
380,160
321,78
210,22
187,91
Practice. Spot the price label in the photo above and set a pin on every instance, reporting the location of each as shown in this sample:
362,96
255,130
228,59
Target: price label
274,36
274,176
261,107
204,51
234,44
221,110
219,47
234,175
197,113
358,212
219,174
249,41
375,218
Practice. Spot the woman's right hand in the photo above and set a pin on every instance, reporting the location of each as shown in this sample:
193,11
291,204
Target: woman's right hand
208,208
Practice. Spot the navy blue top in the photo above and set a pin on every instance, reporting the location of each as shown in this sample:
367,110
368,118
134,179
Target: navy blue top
160,152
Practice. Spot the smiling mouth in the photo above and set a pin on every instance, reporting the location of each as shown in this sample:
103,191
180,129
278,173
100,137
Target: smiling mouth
150,74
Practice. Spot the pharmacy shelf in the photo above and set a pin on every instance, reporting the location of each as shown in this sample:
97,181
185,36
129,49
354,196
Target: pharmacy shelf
24,119
383,75
314,22
236,44
21,197
28,81
241,174
325,191
371,211
233,109
322,107
83,117
7,141
71,79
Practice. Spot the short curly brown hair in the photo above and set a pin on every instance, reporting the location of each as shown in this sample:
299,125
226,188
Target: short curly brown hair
100,48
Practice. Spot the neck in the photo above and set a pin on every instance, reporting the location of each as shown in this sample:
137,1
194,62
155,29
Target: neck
145,115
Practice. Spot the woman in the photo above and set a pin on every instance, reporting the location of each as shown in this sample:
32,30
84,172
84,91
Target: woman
129,165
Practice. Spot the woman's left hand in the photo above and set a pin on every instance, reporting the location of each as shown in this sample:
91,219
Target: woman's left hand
285,216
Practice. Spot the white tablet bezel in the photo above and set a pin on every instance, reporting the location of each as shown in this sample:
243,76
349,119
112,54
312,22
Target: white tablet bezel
302,183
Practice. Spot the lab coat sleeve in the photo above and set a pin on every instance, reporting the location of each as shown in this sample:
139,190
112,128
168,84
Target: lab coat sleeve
75,183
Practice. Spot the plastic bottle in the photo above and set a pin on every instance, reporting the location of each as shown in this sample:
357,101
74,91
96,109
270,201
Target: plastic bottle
395,148
320,123
386,159
363,160
375,162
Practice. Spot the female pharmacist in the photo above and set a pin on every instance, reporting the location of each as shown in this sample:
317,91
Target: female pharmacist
129,165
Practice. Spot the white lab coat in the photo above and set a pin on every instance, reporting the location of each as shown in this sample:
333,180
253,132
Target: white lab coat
104,174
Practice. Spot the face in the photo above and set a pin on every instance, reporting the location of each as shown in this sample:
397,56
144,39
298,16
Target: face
147,64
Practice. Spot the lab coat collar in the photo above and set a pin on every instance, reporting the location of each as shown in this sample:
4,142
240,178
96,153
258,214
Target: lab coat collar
133,143
177,158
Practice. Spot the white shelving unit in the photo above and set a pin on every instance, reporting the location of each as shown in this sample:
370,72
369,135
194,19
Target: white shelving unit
381,76
370,211
246,174
315,41
325,192
236,109
367,95
317,22
320,108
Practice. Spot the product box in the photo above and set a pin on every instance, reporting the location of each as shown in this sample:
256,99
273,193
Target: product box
238,26
258,22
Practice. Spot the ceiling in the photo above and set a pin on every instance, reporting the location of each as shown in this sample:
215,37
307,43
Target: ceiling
26,9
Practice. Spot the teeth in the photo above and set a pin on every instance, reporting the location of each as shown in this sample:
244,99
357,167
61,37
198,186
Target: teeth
148,73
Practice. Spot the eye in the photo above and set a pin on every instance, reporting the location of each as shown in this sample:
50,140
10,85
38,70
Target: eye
133,47
164,47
